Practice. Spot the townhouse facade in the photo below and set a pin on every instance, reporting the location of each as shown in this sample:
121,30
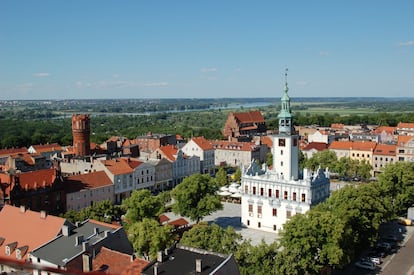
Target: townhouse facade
202,148
236,153
384,154
244,124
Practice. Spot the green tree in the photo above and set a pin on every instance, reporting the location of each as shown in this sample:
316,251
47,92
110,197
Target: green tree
237,175
212,238
397,187
148,237
196,197
221,177
259,259
269,159
310,242
325,158
142,204
104,211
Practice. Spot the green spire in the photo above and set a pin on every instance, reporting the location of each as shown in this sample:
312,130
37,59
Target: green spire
285,116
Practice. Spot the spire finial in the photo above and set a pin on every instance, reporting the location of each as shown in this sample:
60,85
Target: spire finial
286,85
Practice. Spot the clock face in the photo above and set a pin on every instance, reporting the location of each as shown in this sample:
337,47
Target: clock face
282,142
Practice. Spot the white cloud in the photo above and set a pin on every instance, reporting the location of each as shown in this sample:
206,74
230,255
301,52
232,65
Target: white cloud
41,74
406,44
323,53
155,84
208,70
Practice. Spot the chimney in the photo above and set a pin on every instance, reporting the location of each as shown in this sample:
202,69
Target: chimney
65,230
96,230
78,240
156,269
199,266
87,262
85,246
43,214
159,256
22,209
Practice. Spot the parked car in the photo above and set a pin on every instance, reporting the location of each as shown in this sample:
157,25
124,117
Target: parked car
375,259
365,265
384,245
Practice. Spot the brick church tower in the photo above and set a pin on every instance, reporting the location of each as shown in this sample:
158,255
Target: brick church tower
81,135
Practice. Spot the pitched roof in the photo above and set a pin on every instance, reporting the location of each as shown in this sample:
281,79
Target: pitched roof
405,125
234,146
169,152
136,267
111,261
402,140
363,145
267,141
203,143
117,167
340,145
8,152
338,126
38,178
91,180
133,163
319,146
386,129
42,148
26,227
385,149
251,116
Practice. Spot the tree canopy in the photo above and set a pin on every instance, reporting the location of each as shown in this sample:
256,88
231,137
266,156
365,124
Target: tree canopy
196,197
142,204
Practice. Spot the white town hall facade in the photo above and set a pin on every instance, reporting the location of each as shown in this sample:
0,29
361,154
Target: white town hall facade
272,197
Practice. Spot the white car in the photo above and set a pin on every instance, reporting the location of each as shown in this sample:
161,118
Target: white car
365,265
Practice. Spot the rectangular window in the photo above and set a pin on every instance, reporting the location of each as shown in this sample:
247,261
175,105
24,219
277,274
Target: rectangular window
295,142
294,196
246,189
274,212
277,193
274,227
261,191
248,222
254,190
288,214
303,197
259,224
282,142
259,209
285,195
269,194
281,152
250,207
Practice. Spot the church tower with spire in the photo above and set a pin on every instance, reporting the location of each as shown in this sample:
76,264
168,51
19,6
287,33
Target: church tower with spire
285,144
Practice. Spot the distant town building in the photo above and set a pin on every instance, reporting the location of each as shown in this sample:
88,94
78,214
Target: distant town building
202,148
235,153
150,142
244,124
272,197
405,148
404,128
384,154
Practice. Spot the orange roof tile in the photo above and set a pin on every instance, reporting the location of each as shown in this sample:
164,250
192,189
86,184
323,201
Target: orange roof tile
203,143
117,167
232,145
41,148
8,152
251,116
86,181
338,126
111,261
178,222
386,129
26,227
133,163
113,226
37,179
405,125
319,146
169,152
163,218
340,145
136,267
363,145
385,149
402,140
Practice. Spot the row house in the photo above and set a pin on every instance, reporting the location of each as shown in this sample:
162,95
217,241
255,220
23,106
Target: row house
40,190
244,124
236,153
202,148
314,147
386,134
150,142
6,153
405,148
83,190
384,154
404,128
163,173
321,136
25,162
182,165
46,150
121,174
23,230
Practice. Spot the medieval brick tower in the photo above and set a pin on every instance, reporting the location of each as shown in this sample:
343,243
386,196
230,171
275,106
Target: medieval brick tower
81,135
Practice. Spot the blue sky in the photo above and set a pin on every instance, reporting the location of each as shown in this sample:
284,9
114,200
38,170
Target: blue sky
203,49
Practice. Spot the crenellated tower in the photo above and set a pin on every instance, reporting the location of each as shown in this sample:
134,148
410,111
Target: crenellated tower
81,135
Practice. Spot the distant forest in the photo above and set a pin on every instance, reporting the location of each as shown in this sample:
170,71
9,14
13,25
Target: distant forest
24,123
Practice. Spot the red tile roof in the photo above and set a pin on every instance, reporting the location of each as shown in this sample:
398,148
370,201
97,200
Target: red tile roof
337,126
27,228
405,125
319,146
386,129
385,149
169,152
111,261
8,152
178,222
136,267
41,148
203,143
267,140
340,145
86,181
117,167
236,146
37,179
402,140
163,218
363,145
248,117
113,226
133,163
